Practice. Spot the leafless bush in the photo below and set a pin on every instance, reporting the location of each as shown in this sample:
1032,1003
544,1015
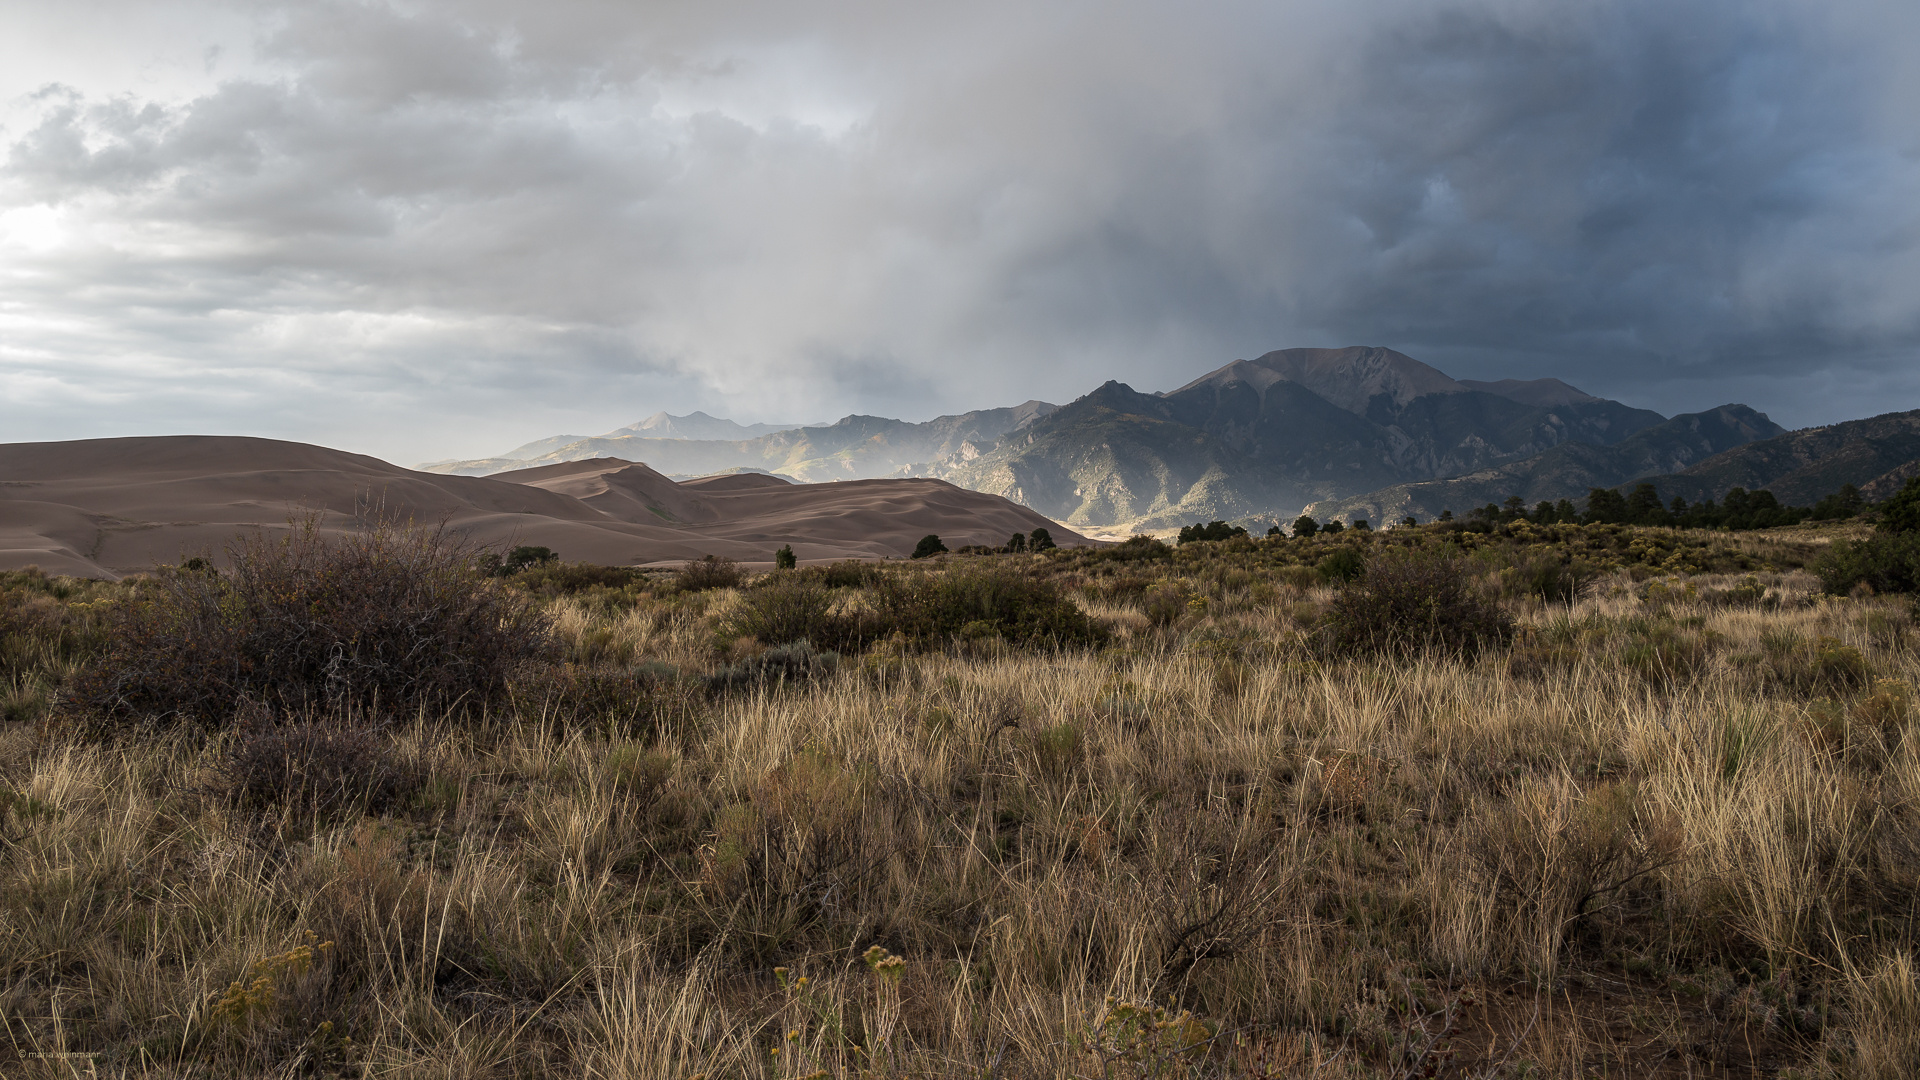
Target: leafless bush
712,572
332,768
392,619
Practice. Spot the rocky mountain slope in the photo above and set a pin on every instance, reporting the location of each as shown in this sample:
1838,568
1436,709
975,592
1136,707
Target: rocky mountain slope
1876,454
1567,471
1260,439
855,448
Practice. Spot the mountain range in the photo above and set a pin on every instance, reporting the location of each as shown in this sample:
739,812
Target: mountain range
855,448
1567,471
1361,431
1257,440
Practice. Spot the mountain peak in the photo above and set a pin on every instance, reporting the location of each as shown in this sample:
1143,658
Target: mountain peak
1349,378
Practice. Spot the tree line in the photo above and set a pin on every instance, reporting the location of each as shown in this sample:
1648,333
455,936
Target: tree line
1739,509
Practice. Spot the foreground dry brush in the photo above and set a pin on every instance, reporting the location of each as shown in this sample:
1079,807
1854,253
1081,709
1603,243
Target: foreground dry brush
1665,829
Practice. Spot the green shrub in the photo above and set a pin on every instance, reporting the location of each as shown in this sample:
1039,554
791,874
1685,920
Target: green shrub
572,579
928,547
785,559
711,572
1304,526
41,629
384,620
931,608
792,609
1040,540
1407,601
1342,564
1901,513
1212,530
1887,562
515,561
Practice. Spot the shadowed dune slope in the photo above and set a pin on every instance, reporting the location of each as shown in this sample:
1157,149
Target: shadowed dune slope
102,507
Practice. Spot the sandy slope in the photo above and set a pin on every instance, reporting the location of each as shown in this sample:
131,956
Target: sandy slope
101,507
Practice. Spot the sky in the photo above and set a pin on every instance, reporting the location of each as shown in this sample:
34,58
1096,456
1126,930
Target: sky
430,230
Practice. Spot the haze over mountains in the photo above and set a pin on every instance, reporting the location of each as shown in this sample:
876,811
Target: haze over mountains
855,448
1255,440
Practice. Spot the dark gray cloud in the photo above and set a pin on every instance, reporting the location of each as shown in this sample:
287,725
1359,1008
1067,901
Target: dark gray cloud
433,229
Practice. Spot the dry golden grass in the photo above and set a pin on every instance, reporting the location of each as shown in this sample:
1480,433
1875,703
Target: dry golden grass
1670,832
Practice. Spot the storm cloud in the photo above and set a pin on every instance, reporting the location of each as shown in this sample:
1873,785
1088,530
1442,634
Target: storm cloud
434,229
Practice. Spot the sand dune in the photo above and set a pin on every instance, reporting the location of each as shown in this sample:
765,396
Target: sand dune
104,507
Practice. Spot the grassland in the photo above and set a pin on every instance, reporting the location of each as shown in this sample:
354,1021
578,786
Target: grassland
1667,829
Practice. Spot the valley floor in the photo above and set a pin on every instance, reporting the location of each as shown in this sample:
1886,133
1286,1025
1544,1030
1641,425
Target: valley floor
1668,831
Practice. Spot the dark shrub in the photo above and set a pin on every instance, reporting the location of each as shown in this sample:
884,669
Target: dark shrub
605,697
1844,503
785,559
1550,579
1166,604
1304,526
1901,513
793,663
332,769
1016,543
387,619
1606,506
1408,601
711,572
517,560
1212,530
849,574
928,546
793,609
1040,540
932,608
1342,564
1885,562
570,579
